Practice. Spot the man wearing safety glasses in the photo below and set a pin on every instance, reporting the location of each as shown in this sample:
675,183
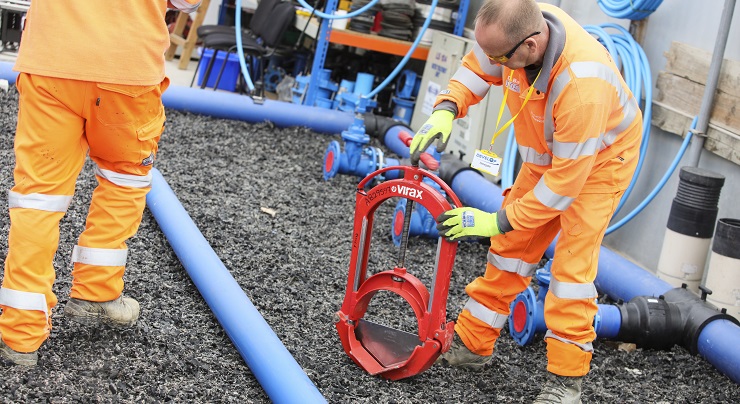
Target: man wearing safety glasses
578,128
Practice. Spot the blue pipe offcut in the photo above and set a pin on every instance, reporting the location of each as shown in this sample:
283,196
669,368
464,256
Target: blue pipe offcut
282,378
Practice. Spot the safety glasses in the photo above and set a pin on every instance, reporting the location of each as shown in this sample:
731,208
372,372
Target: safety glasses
505,58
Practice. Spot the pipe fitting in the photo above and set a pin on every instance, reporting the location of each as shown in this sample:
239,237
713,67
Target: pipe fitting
696,313
450,166
650,322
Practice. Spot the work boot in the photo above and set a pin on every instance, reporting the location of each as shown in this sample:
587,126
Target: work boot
120,313
460,356
8,355
560,390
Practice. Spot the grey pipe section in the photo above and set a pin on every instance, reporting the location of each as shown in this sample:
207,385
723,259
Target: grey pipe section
697,144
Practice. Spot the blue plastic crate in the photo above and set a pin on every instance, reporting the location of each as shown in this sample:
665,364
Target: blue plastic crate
230,74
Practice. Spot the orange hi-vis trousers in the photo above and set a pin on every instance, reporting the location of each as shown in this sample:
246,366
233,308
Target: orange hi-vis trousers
570,304
59,121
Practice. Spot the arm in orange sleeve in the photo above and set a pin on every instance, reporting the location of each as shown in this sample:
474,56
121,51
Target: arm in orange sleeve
470,82
187,6
576,143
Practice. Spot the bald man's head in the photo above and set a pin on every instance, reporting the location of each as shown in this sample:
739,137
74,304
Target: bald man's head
516,18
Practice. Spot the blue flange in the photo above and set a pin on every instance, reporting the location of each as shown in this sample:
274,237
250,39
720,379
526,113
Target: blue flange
523,318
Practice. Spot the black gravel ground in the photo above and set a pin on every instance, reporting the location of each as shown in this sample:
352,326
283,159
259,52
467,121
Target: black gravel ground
293,267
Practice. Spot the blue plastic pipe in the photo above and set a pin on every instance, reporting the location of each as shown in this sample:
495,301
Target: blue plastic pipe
234,106
7,73
276,370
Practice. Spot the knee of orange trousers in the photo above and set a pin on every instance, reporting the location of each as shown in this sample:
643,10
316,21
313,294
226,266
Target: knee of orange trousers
96,283
572,319
24,330
114,215
566,359
496,289
477,336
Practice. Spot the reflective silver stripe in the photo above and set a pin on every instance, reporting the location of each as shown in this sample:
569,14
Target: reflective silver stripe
514,265
549,198
557,87
485,64
125,180
104,257
627,102
571,290
630,111
24,300
530,155
589,347
472,81
486,315
49,203
572,150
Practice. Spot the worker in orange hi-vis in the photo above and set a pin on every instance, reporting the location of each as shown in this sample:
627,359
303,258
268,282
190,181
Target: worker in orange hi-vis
88,83
579,128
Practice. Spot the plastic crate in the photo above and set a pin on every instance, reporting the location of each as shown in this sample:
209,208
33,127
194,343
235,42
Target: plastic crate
230,74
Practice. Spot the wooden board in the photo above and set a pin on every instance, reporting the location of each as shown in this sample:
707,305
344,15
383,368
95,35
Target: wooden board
680,92
686,95
693,63
719,141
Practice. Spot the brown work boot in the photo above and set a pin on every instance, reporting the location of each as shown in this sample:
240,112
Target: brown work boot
560,390
460,356
120,313
8,355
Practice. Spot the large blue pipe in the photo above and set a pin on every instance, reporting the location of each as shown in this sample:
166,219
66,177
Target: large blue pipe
273,366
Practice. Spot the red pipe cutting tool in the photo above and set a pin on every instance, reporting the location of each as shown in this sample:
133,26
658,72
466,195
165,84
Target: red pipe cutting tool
381,350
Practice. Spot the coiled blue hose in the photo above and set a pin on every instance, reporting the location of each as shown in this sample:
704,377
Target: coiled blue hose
629,9
633,62
660,184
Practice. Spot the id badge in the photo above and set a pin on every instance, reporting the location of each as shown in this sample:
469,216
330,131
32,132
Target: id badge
486,161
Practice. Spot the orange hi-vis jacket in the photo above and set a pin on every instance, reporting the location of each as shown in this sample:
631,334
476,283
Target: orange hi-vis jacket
581,118
120,42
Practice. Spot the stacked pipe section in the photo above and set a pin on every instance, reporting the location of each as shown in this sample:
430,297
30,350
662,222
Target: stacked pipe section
690,227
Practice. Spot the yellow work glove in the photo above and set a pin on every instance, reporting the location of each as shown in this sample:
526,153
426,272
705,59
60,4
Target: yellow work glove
439,125
467,223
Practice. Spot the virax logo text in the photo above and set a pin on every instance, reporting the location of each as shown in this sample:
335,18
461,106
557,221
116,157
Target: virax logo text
406,191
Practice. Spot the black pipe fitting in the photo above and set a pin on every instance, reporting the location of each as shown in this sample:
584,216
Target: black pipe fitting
696,313
377,126
450,166
678,317
650,323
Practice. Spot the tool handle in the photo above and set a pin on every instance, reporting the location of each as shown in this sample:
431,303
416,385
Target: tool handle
425,157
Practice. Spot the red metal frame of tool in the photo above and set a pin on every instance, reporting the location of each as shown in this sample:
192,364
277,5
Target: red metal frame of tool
434,332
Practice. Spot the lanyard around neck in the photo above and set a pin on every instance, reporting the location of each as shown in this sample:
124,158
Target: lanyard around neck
503,104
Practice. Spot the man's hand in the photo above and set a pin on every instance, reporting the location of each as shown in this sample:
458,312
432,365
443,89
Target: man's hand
439,125
467,222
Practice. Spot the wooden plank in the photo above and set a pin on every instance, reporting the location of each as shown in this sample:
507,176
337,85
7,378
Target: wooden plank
693,63
686,95
718,141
